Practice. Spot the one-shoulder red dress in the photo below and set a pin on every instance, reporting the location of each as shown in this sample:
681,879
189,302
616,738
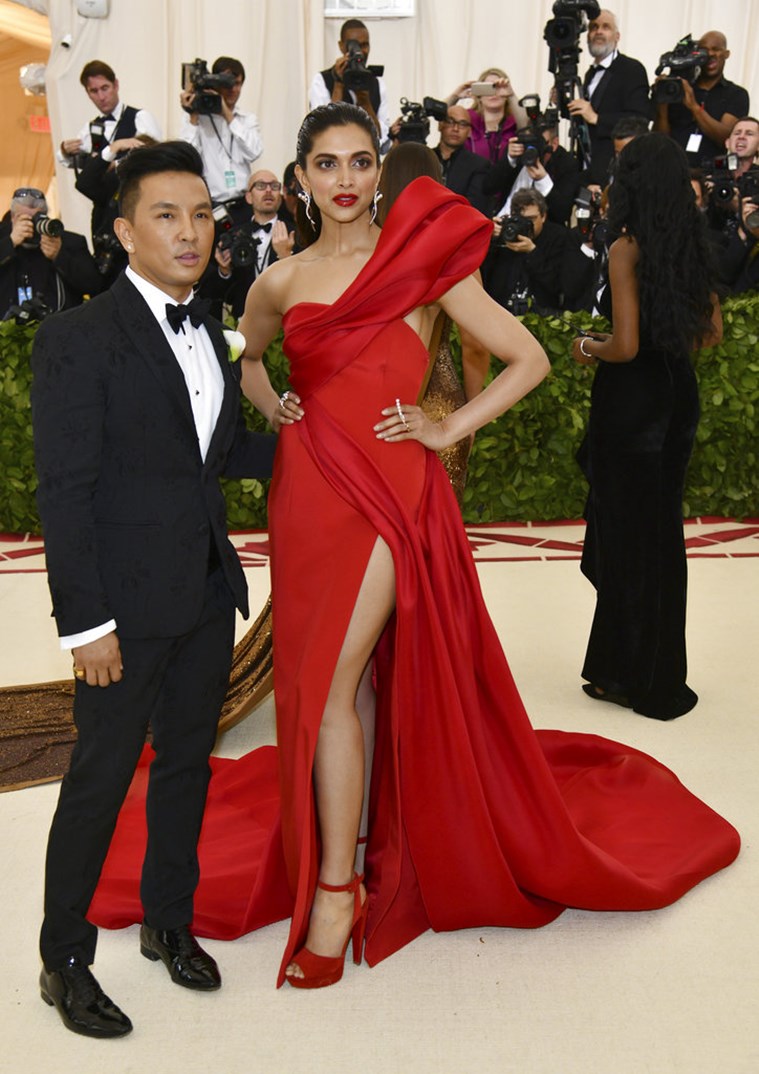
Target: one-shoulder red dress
475,818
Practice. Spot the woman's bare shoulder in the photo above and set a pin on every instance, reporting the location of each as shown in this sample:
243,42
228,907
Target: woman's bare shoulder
625,250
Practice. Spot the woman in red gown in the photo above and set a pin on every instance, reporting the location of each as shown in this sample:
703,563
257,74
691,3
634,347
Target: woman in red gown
472,818
371,572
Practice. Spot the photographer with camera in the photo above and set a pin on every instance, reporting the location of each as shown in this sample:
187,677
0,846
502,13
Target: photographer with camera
525,266
351,79
536,160
43,268
227,138
710,104
616,85
115,121
242,252
463,171
98,180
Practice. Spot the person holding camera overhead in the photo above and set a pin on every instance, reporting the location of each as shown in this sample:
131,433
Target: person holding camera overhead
228,139
710,106
43,268
350,79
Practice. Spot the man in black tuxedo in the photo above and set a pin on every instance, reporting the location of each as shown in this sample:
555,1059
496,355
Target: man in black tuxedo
136,414
463,171
615,86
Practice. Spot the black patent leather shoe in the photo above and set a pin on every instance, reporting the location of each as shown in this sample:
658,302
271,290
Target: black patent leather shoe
81,1002
187,962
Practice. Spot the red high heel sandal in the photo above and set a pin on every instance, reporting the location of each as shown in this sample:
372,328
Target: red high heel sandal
320,970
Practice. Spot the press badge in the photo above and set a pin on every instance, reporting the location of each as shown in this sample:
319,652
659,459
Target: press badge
694,143
229,179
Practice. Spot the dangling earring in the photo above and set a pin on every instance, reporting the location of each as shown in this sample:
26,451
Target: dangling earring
375,202
305,197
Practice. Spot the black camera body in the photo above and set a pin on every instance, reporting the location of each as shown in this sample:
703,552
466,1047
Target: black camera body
356,75
44,225
562,35
531,136
513,227
206,87
685,61
47,225
237,238
415,118
31,309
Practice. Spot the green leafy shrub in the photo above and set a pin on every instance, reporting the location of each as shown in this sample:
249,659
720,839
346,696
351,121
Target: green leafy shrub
523,464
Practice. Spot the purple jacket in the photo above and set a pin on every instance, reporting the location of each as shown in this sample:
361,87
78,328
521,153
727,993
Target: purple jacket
490,144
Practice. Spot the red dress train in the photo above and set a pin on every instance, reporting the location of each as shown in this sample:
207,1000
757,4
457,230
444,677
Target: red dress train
475,819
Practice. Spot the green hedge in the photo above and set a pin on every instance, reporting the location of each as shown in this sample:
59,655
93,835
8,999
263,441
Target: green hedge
522,466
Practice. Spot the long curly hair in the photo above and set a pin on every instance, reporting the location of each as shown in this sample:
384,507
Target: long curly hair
318,120
652,201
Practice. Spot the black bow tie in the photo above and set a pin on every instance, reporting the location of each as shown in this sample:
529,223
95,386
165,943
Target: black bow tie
261,227
197,311
109,116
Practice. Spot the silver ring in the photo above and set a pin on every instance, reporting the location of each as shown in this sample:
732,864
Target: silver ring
283,398
401,415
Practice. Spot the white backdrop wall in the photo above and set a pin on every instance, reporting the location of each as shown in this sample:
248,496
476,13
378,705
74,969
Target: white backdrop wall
282,43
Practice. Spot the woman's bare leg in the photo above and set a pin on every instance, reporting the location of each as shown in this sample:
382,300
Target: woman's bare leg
339,762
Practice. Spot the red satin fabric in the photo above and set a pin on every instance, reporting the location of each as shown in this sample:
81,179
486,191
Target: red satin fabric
475,819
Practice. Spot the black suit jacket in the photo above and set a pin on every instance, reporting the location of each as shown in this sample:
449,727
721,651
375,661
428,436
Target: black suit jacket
622,91
564,171
131,513
465,174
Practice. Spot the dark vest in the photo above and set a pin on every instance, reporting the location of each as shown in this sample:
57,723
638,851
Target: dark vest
374,93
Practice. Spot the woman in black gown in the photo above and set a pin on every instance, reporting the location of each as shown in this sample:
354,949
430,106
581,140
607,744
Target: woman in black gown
643,418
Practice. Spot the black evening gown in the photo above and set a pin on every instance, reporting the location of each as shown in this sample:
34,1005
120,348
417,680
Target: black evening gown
642,425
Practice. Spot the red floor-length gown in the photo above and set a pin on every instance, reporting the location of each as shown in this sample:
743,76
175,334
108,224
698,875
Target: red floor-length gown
475,819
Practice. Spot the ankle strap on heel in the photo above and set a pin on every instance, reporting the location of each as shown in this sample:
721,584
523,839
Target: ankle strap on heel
352,885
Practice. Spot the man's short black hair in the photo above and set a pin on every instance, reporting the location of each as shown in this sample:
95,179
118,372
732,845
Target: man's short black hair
227,63
351,24
629,127
152,160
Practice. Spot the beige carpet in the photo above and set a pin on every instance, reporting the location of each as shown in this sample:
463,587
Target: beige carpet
648,993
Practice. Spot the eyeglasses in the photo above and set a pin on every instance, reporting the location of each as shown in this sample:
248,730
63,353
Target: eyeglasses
259,184
463,123
28,192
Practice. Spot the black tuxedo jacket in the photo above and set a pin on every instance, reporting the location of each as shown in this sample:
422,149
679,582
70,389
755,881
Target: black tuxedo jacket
622,91
131,513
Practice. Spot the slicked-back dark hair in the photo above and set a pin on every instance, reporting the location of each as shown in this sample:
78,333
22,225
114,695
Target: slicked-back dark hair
153,160
323,118
96,69
652,200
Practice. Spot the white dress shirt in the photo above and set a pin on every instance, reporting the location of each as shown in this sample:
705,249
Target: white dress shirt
598,73
197,359
227,149
144,123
